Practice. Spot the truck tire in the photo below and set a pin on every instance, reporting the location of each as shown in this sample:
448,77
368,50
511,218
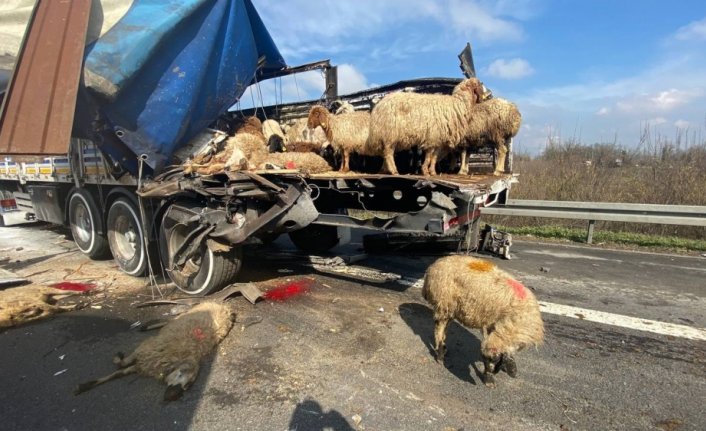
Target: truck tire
208,272
315,238
125,236
86,225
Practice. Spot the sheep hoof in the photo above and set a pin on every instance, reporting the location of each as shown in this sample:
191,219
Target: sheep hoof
489,380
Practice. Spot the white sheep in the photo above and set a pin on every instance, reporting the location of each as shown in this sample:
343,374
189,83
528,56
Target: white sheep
496,120
347,132
433,122
175,353
479,295
27,303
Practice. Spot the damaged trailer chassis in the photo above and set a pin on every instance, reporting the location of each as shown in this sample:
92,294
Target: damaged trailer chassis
200,239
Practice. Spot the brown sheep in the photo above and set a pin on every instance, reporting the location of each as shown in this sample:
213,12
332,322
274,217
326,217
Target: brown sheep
433,122
175,353
27,303
479,295
498,120
347,132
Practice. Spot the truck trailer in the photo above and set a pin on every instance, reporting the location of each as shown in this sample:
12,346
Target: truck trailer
103,106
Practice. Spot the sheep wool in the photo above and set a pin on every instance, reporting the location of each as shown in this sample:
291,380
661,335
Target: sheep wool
347,132
308,163
498,120
28,303
478,294
433,122
175,353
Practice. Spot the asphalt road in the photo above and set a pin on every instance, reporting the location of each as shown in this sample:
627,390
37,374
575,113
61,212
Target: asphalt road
351,354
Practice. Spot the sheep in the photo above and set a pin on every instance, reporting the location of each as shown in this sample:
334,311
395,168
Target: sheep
309,163
498,120
27,303
342,107
297,131
175,353
347,133
275,137
479,295
432,122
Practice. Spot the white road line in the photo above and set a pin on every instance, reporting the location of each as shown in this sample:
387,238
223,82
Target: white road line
619,320
629,322
685,268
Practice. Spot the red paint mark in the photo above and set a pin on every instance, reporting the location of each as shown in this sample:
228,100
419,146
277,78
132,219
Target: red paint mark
290,165
288,290
74,286
517,287
198,334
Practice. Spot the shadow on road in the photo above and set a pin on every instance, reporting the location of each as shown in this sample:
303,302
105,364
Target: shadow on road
463,348
308,415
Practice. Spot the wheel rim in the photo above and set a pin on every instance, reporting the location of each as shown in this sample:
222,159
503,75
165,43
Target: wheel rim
186,278
125,238
82,226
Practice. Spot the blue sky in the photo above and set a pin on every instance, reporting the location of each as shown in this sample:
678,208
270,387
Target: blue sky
597,70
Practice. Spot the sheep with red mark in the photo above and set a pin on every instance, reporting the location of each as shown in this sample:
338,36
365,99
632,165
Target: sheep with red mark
479,295
174,355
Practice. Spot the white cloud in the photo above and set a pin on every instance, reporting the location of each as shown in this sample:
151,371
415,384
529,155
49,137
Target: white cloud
695,30
514,68
603,111
669,99
304,28
350,79
682,124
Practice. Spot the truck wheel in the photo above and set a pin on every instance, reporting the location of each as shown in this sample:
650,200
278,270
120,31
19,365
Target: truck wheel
86,225
205,273
126,238
315,238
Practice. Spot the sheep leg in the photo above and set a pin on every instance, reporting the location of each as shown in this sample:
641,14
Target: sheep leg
346,159
488,371
121,361
426,163
390,161
509,365
500,162
83,387
464,162
432,162
440,327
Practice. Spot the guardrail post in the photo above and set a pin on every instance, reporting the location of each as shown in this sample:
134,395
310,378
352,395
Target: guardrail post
589,237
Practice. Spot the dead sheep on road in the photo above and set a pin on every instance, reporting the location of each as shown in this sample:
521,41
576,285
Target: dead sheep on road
27,303
479,295
175,353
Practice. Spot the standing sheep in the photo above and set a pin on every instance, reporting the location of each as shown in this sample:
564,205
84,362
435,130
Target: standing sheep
432,122
175,353
27,303
497,120
347,132
479,295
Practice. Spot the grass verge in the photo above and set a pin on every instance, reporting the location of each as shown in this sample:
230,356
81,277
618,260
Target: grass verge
624,239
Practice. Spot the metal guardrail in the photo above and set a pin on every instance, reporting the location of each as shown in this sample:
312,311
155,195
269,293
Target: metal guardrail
684,215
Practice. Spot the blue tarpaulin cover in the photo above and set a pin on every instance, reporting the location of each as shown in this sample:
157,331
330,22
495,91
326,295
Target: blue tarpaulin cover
169,68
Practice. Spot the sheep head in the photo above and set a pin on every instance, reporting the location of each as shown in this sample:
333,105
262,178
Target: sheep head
471,90
254,122
319,116
180,379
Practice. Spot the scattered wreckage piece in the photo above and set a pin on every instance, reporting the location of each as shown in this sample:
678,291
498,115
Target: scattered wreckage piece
248,290
174,355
